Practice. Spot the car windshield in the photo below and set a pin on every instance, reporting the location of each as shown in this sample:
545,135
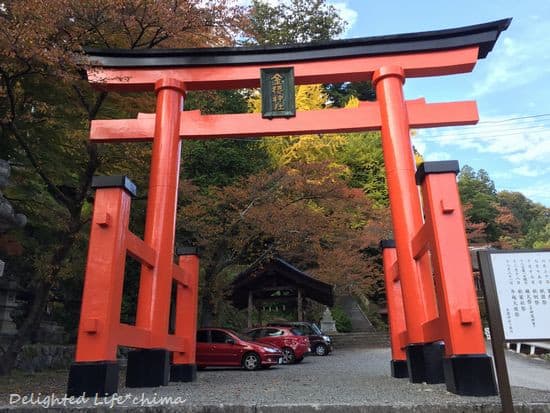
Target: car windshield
316,329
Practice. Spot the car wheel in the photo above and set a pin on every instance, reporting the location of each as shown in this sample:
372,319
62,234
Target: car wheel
288,356
320,350
251,361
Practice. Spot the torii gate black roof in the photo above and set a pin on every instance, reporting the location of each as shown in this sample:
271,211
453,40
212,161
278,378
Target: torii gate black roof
482,35
276,269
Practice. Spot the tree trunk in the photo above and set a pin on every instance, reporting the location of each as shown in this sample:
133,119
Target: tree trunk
206,310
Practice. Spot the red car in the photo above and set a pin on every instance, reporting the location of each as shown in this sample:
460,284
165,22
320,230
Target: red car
290,340
224,347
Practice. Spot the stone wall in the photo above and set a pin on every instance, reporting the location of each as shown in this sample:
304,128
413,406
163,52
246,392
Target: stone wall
38,357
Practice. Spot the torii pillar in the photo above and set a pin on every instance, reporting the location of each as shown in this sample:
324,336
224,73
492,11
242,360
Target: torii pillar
416,278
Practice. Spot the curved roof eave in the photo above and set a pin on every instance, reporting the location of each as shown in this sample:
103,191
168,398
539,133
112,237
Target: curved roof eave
482,35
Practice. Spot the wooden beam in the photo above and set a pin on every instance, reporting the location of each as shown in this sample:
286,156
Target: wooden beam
366,117
275,288
139,250
281,299
350,69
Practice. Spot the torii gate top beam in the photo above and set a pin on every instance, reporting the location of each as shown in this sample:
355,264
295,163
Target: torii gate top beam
421,54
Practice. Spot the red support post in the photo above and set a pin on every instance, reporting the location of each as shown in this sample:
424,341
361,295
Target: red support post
396,312
96,368
156,281
184,366
468,369
416,278
155,285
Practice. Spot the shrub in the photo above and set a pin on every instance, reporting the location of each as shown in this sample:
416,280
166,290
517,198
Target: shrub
343,323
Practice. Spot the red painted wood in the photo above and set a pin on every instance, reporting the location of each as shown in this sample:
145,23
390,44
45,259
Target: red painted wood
394,299
140,250
459,319
193,125
187,309
404,200
156,282
445,62
102,293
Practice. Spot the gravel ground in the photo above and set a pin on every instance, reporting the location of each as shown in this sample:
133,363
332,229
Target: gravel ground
346,377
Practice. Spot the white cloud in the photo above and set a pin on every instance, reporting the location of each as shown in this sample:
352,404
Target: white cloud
518,59
502,175
515,140
538,191
348,14
526,170
420,146
437,156
514,149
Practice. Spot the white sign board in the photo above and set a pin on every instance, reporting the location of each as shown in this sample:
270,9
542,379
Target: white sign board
522,281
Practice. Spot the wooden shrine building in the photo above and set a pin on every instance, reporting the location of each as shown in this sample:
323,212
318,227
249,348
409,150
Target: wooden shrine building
276,281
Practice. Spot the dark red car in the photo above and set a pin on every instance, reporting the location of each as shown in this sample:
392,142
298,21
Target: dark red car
224,347
290,340
320,343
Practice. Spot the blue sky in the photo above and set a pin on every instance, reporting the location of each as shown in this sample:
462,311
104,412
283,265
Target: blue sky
511,86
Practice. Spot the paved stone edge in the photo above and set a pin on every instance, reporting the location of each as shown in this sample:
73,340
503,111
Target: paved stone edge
298,408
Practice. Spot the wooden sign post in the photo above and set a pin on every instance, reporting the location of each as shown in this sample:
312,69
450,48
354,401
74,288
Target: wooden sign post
517,293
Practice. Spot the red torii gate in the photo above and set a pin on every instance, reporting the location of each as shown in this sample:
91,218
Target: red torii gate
448,312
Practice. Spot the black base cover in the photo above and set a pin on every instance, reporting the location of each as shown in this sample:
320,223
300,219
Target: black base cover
183,372
425,362
91,378
148,368
399,369
470,375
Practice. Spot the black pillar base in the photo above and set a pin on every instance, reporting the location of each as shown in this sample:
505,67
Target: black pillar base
470,375
399,369
148,368
183,372
99,377
425,362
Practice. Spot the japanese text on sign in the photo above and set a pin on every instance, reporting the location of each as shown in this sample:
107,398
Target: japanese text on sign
523,287
277,90
277,96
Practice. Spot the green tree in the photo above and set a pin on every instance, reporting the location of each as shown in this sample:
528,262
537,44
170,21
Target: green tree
220,161
296,21
340,93
363,155
538,232
478,191
45,112
505,219
522,207
304,212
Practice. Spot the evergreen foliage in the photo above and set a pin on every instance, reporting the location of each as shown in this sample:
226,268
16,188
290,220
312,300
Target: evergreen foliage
341,319
295,21
505,219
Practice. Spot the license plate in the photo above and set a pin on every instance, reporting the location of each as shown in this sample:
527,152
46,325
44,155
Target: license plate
280,361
